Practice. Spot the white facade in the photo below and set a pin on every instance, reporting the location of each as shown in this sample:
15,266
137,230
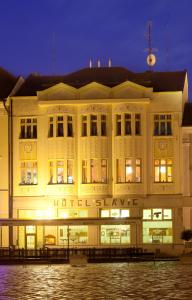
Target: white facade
97,151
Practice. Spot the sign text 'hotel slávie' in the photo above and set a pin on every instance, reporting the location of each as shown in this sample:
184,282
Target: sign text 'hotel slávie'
105,202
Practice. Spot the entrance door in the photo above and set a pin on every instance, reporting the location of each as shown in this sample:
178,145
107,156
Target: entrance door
30,241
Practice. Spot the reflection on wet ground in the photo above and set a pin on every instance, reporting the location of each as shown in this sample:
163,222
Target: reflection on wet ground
162,280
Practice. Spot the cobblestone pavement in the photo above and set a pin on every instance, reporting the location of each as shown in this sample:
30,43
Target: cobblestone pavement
162,280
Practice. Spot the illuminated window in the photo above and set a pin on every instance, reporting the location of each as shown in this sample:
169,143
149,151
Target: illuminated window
104,170
29,172
28,128
69,171
94,170
163,170
162,124
157,214
84,171
114,213
84,125
115,234
157,229
118,124
137,124
51,172
76,235
98,170
60,126
72,213
51,127
30,229
60,171
93,127
128,170
103,125
69,126
127,124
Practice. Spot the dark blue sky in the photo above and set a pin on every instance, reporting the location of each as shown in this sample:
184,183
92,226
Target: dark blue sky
59,36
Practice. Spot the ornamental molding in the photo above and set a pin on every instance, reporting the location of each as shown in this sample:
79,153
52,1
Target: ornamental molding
93,108
58,109
125,107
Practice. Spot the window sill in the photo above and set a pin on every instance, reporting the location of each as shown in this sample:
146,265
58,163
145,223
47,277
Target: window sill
62,183
25,139
129,182
163,182
28,184
94,182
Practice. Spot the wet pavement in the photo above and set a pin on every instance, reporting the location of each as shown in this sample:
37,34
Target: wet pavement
160,280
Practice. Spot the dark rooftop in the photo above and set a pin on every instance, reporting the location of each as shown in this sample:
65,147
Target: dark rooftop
7,83
159,81
187,115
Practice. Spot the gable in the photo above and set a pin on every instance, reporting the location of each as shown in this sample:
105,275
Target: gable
130,90
94,90
60,91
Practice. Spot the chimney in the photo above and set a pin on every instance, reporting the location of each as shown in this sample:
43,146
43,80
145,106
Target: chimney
98,63
109,63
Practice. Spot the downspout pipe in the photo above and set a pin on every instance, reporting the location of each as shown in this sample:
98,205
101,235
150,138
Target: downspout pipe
9,110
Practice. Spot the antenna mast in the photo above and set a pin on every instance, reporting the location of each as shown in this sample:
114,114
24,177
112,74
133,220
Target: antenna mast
53,54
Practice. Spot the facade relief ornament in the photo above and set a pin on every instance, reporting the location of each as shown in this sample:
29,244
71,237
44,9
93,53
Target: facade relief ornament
125,107
61,109
94,108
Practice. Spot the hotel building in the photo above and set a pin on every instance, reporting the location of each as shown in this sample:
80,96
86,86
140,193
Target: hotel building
103,149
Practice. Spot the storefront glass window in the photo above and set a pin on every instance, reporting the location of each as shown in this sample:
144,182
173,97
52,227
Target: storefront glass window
77,235
115,234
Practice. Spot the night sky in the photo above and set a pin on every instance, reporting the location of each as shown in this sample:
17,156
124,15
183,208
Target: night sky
60,36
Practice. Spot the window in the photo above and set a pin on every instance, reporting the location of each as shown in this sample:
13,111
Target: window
72,213
115,234
157,214
127,124
69,171
163,170
118,124
84,171
98,171
76,235
60,171
29,172
51,127
128,170
94,170
103,125
28,128
84,125
157,227
93,125
137,124
69,126
114,213
60,126
104,170
162,125
51,171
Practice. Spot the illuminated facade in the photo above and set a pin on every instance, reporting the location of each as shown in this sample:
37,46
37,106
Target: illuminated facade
101,143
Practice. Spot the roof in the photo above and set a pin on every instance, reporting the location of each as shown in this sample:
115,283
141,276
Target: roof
159,81
7,83
187,115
